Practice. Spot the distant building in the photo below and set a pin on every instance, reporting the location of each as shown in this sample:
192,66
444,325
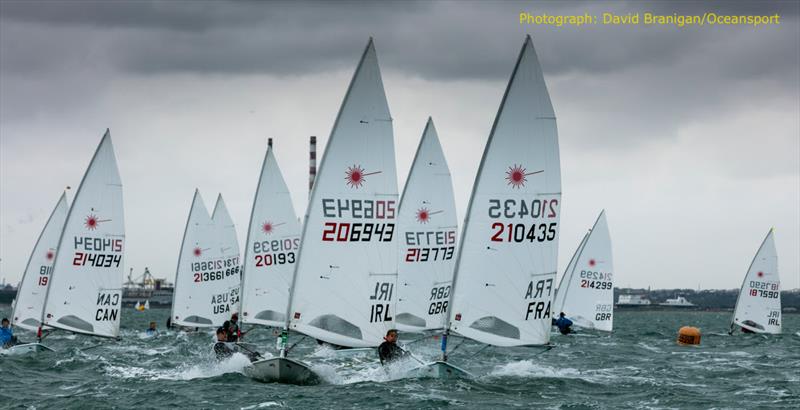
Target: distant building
632,301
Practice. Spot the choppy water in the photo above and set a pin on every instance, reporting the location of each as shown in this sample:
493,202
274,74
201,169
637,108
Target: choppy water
638,366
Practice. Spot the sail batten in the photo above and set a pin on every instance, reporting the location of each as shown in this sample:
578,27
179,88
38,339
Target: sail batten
349,230
85,291
505,271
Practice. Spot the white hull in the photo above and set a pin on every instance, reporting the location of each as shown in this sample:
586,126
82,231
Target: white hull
282,370
441,370
26,348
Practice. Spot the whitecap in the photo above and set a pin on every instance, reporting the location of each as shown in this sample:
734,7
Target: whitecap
527,368
264,404
235,364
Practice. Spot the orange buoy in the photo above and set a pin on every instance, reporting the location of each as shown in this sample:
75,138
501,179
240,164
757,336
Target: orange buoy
689,335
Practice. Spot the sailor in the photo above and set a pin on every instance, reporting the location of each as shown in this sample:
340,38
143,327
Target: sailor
152,331
234,333
564,324
389,351
221,348
7,338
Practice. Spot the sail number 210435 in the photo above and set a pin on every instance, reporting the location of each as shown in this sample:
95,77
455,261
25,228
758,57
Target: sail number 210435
540,210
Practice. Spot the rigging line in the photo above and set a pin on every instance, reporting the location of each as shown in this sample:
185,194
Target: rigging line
547,347
411,355
458,345
240,345
481,349
295,344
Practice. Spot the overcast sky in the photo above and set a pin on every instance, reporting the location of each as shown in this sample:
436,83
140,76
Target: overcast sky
688,137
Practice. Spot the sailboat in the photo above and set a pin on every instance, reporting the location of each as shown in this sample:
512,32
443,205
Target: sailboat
138,306
427,229
204,278
273,240
758,307
343,290
146,305
506,264
586,292
228,303
29,303
85,292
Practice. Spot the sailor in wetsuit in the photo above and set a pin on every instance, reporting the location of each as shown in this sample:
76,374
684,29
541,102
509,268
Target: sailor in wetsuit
564,324
152,330
222,349
7,338
389,351
234,333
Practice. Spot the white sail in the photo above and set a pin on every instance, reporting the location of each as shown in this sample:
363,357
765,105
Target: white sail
427,231
201,273
85,292
33,287
558,302
586,292
273,240
227,301
503,285
146,304
344,291
758,307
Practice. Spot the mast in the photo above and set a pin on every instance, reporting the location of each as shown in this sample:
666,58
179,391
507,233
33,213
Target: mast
312,163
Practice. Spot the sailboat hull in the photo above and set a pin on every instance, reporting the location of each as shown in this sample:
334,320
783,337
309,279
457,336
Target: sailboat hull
282,370
441,370
26,348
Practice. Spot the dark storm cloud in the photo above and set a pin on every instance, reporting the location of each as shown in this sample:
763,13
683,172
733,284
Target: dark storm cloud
434,40
678,72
